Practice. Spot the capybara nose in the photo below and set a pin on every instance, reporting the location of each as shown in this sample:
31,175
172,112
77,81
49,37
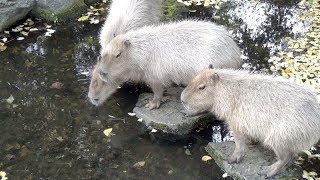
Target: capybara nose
103,74
183,102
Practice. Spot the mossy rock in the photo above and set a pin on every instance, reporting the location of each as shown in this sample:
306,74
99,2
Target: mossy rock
59,10
173,10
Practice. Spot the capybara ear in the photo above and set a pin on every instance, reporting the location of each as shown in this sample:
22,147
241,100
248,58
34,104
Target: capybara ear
127,43
210,66
215,77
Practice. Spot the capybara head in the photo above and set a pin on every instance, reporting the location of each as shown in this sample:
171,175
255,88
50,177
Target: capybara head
113,62
99,90
197,96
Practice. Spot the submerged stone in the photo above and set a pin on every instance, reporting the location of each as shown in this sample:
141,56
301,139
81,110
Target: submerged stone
168,116
250,167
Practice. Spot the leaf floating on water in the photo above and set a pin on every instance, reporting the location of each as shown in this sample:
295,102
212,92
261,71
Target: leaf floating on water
34,29
154,130
224,175
140,119
192,10
2,47
24,33
6,32
3,175
139,164
20,38
4,39
307,152
131,114
10,99
83,18
107,132
187,152
110,116
206,158
206,3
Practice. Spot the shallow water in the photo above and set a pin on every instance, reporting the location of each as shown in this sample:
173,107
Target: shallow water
55,133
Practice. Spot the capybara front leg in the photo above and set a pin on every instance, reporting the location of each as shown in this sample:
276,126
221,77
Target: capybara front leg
157,96
284,157
241,146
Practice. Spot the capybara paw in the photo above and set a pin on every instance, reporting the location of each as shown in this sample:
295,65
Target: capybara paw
235,159
267,171
186,113
153,105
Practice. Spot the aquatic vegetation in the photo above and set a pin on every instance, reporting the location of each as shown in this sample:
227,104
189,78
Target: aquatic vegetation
206,3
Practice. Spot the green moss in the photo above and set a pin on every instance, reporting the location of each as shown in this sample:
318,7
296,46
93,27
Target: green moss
173,10
65,14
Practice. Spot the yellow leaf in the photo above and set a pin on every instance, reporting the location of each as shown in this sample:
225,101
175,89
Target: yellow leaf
296,45
10,99
83,18
139,164
206,158
206,3
107,132
3,175
24,33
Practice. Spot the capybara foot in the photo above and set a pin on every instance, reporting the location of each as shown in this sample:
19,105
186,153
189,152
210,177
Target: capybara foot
153,104
235,158
188,114
269,171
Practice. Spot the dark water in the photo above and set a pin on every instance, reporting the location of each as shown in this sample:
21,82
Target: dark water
56,134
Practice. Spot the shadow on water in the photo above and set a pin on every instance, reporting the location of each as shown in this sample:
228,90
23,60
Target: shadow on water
55,133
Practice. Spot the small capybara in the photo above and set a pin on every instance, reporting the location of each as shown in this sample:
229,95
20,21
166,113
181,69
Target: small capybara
166,54
125,15
280,114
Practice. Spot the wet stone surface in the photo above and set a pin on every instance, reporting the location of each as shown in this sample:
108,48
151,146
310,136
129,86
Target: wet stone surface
168,118
250,167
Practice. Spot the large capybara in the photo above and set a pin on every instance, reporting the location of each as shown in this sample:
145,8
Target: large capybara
280,114
125,15
166,54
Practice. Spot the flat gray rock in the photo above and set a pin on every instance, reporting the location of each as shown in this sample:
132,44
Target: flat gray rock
250,167
13,11
168,117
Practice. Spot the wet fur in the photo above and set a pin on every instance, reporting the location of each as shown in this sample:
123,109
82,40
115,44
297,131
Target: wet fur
282,115
166,54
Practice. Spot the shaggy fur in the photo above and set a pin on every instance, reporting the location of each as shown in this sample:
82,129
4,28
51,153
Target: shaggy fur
168,54
125,15
282,115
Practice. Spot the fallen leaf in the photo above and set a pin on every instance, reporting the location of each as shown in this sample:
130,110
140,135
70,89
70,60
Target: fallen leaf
187,152
110,116
224,175
34,29
107,132
83,18
6,32
10,99
140,119
3,175
307,152
154,130
139,164
4,39
24,33
3,48
20,38
131,114
206,158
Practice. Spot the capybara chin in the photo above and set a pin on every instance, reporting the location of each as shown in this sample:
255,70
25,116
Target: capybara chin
280,114
166,54
125,15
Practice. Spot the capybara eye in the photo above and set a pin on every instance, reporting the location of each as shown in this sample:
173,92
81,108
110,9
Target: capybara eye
103,74
202,87
99,58
118,55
